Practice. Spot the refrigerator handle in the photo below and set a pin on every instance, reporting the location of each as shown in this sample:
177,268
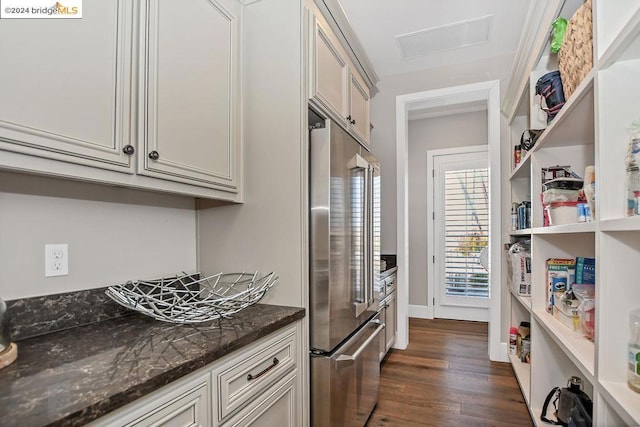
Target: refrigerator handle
364,288
351,358
366,238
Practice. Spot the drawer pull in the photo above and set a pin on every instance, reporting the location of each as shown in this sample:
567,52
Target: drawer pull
264,371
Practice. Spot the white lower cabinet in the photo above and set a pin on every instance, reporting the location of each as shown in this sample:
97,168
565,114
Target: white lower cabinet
247,387
391,321
276,408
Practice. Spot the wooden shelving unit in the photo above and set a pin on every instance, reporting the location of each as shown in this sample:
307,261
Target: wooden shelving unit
591,129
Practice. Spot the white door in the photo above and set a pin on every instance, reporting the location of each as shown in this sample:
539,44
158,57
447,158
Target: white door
460,229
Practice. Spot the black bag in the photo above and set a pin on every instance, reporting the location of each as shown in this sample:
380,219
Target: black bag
573,407
529,138
549,87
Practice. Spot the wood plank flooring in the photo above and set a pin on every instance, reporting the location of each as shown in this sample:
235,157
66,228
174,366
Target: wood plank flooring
445,378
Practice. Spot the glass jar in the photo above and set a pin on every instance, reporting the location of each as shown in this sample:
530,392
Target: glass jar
632,163
633,373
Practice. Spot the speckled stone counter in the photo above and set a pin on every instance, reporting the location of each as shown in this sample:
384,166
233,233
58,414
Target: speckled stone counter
73,376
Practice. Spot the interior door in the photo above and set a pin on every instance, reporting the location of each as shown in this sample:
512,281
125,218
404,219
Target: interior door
461,231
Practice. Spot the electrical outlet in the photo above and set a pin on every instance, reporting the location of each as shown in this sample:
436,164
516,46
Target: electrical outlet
56,260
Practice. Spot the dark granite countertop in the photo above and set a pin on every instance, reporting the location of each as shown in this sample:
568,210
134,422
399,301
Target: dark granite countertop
73,376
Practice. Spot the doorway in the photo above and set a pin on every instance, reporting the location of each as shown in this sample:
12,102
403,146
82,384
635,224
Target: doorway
458,232
488,93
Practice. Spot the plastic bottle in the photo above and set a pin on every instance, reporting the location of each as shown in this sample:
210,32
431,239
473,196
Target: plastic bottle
517,155
513,340
633,373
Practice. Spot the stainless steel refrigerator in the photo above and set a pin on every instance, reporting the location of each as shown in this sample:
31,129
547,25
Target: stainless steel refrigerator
344,241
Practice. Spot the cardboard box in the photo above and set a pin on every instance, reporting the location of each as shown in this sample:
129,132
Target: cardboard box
559,272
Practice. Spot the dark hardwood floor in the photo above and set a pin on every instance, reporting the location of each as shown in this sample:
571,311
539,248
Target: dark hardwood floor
445,378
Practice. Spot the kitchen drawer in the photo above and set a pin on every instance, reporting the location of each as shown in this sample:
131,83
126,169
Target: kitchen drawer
190,409
185,402
243,378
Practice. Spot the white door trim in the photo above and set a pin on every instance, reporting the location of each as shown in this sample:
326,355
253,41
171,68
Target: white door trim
468,313
490,93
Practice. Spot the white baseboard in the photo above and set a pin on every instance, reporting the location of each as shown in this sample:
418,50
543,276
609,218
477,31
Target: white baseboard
504,356
420,311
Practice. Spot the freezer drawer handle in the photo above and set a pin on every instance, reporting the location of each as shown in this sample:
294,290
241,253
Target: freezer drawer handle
344,359
264,371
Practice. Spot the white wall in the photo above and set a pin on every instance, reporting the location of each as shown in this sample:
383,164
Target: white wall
267,233
431,134
383,117
114,234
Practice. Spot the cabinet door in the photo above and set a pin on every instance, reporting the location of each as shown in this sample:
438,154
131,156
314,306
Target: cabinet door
359,109
328,71
277,408
390,330
189,111
67,87
382,312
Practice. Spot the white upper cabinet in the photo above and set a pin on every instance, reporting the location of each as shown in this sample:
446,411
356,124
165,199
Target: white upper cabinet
149,88
189,119
329,71
67,86
335,85
358,117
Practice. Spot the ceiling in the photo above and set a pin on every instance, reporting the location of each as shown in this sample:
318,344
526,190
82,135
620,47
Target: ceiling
378,22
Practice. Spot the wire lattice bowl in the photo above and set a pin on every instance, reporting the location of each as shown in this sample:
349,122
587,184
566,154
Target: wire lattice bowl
188,299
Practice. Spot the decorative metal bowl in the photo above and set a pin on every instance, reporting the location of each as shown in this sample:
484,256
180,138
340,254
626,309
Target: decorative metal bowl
189,299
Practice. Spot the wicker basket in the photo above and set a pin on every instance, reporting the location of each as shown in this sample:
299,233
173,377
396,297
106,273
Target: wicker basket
575,58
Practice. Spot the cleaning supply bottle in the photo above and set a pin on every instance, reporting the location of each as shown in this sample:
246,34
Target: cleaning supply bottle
513,340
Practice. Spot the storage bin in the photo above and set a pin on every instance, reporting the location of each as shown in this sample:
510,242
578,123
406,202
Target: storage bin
562,213
571,321
575,58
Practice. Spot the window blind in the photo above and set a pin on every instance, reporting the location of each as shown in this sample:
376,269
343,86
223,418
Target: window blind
466,219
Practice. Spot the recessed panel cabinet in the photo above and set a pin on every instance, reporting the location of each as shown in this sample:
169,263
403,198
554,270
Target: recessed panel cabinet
245,388
67,87
358,108
189,119
329,71
146,88
335,85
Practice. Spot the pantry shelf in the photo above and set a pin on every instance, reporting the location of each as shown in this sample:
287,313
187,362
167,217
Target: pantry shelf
523,232
522,170
621,224
580,350
574,124
523,375
579,227
523,300
626,46
625,401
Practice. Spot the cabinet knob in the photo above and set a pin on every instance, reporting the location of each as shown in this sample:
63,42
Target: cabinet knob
353,122
154,155
349,118
128,149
